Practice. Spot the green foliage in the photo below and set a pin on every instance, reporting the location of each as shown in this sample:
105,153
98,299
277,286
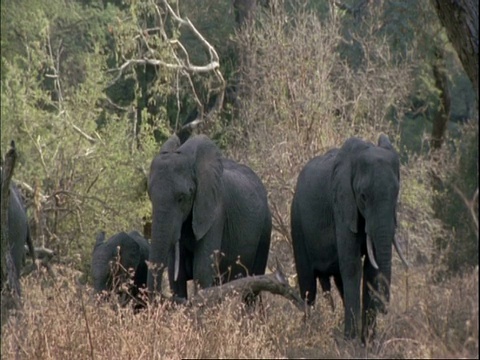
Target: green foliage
79,178
460,179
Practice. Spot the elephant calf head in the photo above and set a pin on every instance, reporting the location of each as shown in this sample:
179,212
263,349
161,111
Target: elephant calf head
119,264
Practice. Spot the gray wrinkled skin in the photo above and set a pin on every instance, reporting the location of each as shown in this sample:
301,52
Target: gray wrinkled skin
341,198
131,249
204,204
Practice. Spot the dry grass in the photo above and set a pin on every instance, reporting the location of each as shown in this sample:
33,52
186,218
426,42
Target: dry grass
62,321
306,100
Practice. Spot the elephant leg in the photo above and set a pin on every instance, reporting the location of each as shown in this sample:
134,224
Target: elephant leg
339,284
261,257
350,262
307,280
204,271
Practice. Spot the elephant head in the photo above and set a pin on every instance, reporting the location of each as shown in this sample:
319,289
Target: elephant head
365,191
113,260
185,183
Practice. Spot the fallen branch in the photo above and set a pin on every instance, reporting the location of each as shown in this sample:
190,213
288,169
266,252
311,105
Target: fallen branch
44,256
274,283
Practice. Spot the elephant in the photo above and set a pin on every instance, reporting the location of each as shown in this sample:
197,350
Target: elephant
344,207
210,217
18,229
133,251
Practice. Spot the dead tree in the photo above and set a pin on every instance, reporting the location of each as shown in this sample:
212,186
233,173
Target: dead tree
7,264
460,19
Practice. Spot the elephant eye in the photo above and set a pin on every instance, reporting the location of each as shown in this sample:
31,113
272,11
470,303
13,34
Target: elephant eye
180,198
363,197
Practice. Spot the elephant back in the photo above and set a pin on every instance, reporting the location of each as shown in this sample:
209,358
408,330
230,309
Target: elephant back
142,242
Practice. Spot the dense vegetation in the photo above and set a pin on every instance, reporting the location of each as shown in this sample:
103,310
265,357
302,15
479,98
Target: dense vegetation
90,90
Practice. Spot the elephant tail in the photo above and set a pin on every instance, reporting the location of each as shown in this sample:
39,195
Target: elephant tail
29,241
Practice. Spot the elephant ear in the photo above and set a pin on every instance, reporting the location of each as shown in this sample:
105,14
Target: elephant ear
179,138
208,174
345,205
384,142
171,144
100,239
129,252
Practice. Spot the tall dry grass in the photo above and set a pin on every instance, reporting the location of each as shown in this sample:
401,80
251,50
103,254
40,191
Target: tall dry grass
62,321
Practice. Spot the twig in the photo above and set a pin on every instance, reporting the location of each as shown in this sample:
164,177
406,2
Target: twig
470,204
183,65
84,311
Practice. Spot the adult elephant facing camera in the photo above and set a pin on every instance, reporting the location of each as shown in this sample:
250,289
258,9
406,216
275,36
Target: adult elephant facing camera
344,207
204,203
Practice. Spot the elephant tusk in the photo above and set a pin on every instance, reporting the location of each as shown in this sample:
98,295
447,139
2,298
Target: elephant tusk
397,247
371,257
177,260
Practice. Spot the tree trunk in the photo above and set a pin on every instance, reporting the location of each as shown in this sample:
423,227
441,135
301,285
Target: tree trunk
443,114
7,265
460,19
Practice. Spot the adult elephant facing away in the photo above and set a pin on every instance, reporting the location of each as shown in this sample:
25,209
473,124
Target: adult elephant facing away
132,251
203,203
344,207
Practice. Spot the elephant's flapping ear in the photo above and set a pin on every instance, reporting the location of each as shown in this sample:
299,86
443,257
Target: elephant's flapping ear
171,144
344,202
208,174
129,253
99,239
384,142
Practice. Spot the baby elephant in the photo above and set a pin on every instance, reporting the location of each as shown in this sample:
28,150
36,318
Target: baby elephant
113,261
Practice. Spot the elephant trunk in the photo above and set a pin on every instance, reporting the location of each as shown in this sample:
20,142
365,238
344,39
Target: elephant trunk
164,237
382,239
101,270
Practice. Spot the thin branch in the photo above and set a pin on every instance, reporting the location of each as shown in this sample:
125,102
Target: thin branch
470,204
190,68
82,133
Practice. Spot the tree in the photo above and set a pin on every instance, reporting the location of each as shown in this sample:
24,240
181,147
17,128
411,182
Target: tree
460,19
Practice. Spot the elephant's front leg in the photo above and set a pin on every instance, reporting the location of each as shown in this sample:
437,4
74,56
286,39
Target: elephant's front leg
206,257
351,271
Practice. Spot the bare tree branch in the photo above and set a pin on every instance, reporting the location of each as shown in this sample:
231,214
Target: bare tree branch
82,133
470,204
187,67
181,63
273,283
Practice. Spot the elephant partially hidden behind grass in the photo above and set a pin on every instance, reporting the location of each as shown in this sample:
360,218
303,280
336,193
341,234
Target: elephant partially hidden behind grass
344,209
18,230
114,260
